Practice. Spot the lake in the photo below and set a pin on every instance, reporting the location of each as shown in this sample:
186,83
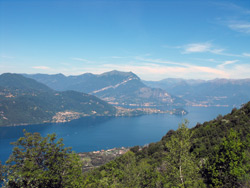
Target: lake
96,133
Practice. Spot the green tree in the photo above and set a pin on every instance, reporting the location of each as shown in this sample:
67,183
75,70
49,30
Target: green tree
42,162
226,167
182,169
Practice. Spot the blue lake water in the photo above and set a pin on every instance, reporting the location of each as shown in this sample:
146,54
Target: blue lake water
96,133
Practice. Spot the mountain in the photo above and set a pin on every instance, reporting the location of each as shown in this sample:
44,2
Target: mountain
26,101
21,84
115,87
212,154
224,92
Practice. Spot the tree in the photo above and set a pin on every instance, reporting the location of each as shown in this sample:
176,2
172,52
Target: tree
42,162
226,167
182,168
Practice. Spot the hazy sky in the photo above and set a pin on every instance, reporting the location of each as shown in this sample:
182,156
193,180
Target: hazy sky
155,39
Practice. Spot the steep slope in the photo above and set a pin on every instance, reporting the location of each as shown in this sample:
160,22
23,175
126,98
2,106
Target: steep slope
115,87
19,84
186,158
207,93
26,101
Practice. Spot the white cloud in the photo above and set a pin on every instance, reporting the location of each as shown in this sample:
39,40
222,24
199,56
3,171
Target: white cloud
246,54
157,69
201,47
227,63
207,60
197,47
239,71
159,61
207,47
80,59
243,27
41,67
117,57
158,72
230,55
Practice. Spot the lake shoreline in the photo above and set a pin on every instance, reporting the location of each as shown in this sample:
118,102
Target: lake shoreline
97,133
68,116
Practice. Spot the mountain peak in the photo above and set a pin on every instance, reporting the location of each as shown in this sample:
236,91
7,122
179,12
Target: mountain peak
120,73
18,81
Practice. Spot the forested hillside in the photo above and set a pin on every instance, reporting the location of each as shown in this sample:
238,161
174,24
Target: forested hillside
214,154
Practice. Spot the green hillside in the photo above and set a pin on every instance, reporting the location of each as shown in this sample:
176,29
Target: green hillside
26,101
213,154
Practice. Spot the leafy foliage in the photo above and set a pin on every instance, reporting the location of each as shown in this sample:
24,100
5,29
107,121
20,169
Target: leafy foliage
182,167
42,162
227,166
213,154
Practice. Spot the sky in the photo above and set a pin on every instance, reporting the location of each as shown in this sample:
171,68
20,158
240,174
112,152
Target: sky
155,39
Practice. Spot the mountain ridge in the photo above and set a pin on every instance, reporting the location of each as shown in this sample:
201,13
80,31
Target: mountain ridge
26,101
216,92
115,87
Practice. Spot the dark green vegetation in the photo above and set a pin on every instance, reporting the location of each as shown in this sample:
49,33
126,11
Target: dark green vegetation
120,88
212,92
42,162
26,101
213,154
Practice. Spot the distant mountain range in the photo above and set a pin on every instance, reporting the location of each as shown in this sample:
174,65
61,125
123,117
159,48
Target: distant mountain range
127,89
222,92
115,87
26,101
41,98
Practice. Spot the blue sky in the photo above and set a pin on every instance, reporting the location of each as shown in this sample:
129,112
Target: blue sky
155,39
